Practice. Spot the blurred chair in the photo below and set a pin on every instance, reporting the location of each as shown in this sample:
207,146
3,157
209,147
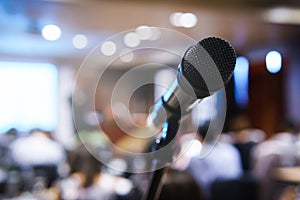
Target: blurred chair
245,150
245,141
245,188
3,181
180,185
47,172
37,156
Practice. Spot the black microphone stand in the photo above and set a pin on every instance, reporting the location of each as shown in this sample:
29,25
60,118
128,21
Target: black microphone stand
169,131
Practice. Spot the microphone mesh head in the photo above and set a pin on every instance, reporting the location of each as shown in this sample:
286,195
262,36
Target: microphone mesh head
208,65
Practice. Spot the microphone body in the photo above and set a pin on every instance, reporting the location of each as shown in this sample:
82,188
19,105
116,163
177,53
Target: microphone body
205,68
174,103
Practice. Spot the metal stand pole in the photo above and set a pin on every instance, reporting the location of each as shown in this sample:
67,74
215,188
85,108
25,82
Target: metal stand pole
169,131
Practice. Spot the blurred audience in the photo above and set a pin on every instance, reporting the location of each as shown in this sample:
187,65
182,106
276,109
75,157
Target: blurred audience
221,161
237,165
282,143
37,159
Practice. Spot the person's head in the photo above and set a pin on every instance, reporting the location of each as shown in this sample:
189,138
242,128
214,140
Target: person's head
202,129
206,130
239,123
12,132
81,161
40,132
180,185
288,126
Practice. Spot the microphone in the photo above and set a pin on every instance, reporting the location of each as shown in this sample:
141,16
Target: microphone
205,68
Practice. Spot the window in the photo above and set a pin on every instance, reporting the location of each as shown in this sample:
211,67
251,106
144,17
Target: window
28,96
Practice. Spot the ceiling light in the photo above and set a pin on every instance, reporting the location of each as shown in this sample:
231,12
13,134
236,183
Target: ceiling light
175,19
108,48
144,32
188,20
51,32
132,39
282,15
80,41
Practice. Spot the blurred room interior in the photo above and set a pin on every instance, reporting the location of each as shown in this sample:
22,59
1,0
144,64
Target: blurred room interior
59,35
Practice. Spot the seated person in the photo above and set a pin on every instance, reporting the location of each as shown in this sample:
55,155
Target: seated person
221,161
84,181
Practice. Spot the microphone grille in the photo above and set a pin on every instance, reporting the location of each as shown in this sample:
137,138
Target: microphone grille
205,62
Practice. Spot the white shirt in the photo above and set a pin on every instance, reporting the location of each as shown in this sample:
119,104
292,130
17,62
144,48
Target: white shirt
222,162
37,149
282,144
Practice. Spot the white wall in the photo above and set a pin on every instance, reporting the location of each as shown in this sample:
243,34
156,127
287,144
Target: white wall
65,129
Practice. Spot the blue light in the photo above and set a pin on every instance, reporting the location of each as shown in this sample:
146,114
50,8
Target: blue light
273,62
241,81
164,131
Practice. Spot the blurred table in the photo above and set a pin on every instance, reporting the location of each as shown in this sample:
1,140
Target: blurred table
287,174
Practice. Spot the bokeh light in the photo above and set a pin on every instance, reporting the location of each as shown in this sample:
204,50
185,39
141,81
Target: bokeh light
80,41
108,48
273,62
132,39
51,32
